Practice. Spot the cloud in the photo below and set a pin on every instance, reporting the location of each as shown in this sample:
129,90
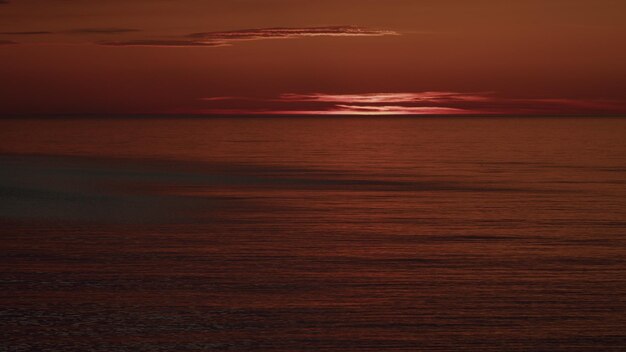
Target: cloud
413,103
73,31
214,39
27,33
286,33
342,109
230,37
8,42
418,103
388,97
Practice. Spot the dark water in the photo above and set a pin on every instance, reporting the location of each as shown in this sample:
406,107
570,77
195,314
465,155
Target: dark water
314,234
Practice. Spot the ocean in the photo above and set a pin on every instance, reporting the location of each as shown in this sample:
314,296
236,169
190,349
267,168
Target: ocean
313,234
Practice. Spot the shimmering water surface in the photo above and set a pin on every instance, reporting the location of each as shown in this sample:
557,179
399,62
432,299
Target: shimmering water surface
313,234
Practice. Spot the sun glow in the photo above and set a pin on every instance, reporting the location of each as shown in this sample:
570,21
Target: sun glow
400,103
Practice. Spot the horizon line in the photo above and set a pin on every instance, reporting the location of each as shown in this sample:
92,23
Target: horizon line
251,115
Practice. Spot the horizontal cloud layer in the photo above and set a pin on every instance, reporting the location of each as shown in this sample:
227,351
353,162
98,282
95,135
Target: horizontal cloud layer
230,37
387,97
418,103
75,31
285,33
27,33
211,39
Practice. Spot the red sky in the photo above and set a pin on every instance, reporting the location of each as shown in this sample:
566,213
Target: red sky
310,57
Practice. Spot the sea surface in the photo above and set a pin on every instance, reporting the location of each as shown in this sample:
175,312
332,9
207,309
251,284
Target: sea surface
313,234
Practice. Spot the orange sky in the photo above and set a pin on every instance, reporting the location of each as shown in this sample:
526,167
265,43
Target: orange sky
302,56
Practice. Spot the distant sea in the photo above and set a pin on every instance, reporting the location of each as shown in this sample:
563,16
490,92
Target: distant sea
313,234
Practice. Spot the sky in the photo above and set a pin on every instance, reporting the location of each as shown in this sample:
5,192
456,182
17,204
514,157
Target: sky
305,57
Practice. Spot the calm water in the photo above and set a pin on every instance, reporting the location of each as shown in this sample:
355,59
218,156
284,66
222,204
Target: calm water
313,234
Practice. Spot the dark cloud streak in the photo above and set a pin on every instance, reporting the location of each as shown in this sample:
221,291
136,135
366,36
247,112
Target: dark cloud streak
215,39
102,30
73,31
158,43
27,33
226,38
284,33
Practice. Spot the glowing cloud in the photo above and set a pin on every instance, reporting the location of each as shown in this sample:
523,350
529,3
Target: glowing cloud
422,103
372,98
396,110
419,103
